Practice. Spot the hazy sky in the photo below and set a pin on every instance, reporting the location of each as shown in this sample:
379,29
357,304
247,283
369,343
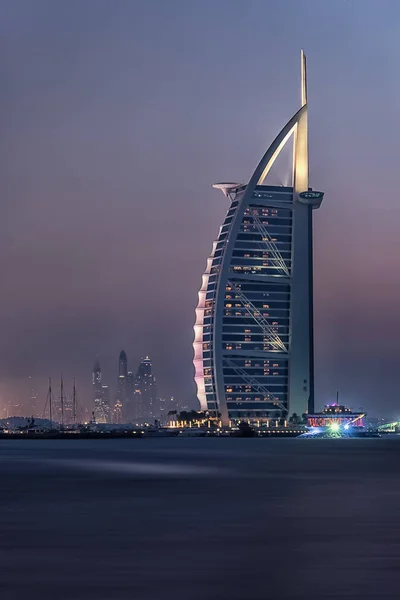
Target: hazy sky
116,116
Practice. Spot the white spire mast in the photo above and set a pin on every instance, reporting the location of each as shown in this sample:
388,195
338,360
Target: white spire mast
300,162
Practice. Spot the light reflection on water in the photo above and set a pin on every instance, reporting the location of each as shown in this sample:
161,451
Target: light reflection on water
137,468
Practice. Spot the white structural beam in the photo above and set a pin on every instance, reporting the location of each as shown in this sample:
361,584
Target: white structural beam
300,166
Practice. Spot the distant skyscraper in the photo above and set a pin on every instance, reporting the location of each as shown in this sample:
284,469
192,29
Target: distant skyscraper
68,409
129,408
138,412
117,416
123,364
254,320
105,395
96,382
122,388
146,398
163,410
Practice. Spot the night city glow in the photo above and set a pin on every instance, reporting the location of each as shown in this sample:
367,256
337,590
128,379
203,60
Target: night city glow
174,427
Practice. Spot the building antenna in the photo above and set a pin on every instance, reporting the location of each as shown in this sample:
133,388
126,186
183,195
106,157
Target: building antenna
303,78
337,397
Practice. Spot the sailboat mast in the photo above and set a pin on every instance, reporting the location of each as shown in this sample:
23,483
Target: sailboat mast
74,403
50,403
62,401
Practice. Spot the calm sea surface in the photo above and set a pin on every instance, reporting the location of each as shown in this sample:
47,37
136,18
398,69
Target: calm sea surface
194,518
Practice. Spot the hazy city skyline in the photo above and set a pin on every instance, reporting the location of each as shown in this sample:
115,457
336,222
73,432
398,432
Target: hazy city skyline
117,117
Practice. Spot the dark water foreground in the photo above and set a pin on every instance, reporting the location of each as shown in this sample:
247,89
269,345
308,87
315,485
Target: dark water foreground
199,518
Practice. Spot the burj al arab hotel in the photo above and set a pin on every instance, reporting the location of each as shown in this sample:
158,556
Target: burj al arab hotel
253,348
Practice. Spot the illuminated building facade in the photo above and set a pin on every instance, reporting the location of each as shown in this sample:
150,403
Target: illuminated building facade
253,347
105,396
101,400
336,414
146,399
117,414
129,409
121,402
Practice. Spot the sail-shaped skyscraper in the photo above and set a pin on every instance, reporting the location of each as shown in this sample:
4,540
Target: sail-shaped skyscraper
254,320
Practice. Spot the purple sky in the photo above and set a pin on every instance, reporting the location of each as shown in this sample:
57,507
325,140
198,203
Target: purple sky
115,119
